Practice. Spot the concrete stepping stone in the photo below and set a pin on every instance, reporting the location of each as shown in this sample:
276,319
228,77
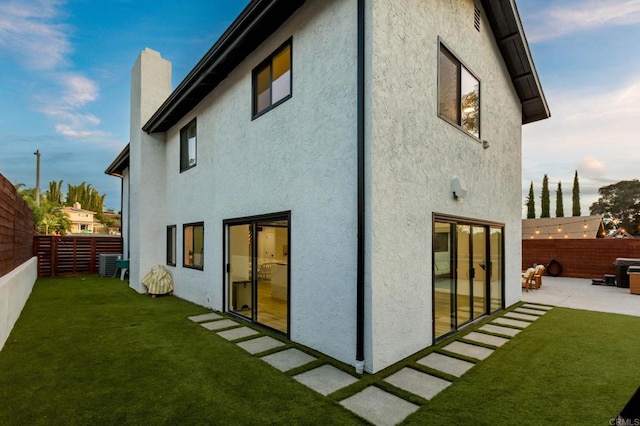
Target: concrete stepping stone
446,364
379,407
539,307
325,379
529,311
288,359
260,344
512,322
486,339
219,325
517,315
506,331
417,382
467,349
205,317
237,333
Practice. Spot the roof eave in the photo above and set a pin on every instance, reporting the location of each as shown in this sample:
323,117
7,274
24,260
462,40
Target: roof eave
121,162
509,33
254,24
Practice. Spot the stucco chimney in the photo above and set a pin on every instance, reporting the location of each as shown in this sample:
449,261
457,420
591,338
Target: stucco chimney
150,87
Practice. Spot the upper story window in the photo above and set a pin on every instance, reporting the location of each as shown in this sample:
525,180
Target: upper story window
272,80
188,146
193,245
458,94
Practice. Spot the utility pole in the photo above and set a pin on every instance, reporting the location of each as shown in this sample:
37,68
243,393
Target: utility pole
37,154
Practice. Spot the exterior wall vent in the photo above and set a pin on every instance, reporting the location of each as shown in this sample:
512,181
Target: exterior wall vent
476,18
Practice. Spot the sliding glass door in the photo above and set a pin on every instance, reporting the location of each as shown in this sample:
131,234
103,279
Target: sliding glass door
467,273
257,265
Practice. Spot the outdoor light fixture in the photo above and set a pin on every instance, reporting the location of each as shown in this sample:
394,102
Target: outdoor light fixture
485,144
458,188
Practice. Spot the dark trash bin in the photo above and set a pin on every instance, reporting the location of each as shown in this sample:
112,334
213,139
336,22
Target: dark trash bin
622,264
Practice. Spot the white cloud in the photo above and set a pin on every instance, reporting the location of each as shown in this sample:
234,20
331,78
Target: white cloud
29,32
576,16
78,90
591,167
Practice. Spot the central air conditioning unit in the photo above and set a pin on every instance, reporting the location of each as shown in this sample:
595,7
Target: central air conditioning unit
107,265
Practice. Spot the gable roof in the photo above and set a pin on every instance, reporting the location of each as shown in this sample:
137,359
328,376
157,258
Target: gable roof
579,227
261,18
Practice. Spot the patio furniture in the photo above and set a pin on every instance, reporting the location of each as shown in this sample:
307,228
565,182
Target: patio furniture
634,279
622,264
537,276
527,279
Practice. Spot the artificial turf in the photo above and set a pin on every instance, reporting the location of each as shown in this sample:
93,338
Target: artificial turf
89,350
569,367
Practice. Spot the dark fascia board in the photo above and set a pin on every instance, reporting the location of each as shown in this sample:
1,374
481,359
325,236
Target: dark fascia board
254,25
116,168
507,28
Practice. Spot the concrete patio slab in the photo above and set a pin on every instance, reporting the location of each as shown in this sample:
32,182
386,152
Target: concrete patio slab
467,349
288,359
530,311
512,322
237,333
519,316
219,325
205,317
417,382
260,344
446,364
379,407
325,379
539,307
485,338
578,293
506,331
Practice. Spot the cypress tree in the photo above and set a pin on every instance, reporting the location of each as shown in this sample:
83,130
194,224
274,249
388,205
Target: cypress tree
531,204
544,198
559,202
576,196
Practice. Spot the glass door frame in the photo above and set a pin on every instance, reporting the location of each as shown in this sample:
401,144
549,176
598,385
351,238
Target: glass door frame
454,221
253,222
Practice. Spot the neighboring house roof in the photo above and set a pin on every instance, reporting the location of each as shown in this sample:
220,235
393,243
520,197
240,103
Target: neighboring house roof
262,17
116,168
620,233
579,227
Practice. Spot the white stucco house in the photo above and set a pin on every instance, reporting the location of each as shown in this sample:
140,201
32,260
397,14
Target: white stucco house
344,172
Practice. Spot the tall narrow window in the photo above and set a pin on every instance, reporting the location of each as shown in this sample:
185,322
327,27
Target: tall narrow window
171,245
188,146
272,80
193,245
458,94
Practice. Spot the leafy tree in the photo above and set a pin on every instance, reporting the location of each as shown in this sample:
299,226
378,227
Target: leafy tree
54,193
545,198
531,204
576,196
620,202
47,217
559,201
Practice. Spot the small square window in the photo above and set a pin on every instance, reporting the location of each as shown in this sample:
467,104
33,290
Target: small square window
458,94
193,245
171,245
272,80
188,146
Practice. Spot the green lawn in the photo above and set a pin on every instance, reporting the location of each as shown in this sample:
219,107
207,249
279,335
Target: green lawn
89,350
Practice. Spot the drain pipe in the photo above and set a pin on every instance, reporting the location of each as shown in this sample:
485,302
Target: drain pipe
359,364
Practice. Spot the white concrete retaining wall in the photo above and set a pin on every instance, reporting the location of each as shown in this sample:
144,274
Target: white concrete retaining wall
15,288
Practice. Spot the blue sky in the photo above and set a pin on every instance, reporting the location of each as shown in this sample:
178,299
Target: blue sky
66,65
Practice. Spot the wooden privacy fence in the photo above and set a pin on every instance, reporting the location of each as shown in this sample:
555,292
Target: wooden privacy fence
580,258
16,228
72,255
